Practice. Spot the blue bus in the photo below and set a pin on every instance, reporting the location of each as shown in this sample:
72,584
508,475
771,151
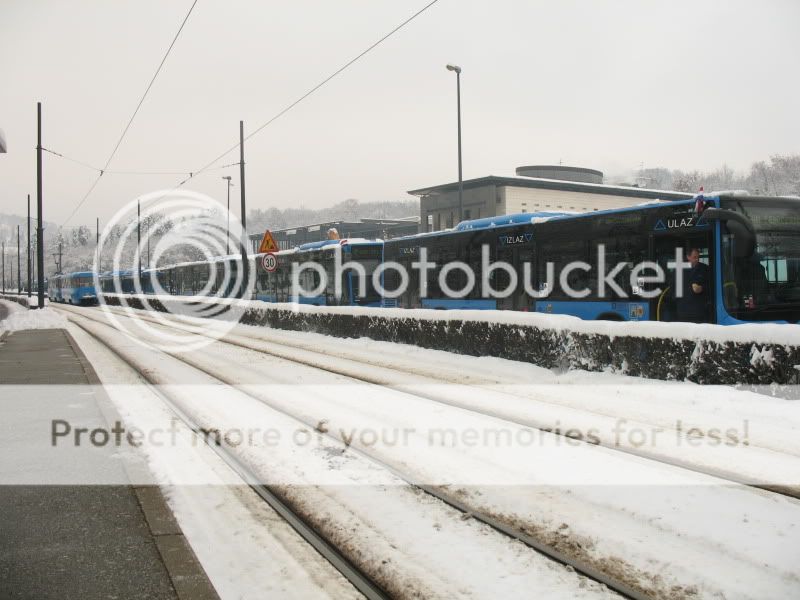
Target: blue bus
276,285
751,244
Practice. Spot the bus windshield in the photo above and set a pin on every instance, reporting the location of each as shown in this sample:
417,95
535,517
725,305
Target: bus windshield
766,285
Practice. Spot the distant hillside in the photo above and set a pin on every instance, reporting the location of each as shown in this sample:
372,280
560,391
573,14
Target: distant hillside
348,210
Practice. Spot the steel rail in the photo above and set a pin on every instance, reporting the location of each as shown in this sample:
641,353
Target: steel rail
789,491
623,589
350,571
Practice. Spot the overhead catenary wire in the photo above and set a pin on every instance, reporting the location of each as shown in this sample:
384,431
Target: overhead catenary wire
210,165
129,172
312,90
133,116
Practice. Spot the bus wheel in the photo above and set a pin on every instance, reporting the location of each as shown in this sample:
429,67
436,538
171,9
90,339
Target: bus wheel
610,317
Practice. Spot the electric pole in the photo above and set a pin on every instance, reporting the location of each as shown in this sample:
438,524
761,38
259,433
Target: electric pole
139,237
245,266
4,268
28,253
19,265
97,245
39,230
228,231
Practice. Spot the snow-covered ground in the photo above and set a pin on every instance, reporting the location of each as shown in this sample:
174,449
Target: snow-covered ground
670,531
404,539
20,318
246,549
711,428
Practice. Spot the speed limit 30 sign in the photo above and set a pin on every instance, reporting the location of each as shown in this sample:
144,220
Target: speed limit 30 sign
269,262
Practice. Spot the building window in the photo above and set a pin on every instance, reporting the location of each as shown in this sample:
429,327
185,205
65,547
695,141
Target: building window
466,214
430,222
438,222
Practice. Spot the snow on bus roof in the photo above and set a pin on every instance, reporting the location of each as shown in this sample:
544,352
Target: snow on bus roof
340,242
513,219
323,244
304,247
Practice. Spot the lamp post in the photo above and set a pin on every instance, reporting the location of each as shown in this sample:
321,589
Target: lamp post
457,69
228,236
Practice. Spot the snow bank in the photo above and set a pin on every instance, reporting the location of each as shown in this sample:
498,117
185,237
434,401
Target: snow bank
23,300
45,318
750,354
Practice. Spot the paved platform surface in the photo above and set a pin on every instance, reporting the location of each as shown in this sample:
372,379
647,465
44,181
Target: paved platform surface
82,541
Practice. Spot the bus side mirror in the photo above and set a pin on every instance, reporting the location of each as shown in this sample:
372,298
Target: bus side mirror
739,225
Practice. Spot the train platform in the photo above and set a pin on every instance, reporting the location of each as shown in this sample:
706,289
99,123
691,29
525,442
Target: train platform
78,541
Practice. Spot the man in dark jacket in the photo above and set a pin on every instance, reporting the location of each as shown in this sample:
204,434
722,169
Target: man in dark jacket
693,299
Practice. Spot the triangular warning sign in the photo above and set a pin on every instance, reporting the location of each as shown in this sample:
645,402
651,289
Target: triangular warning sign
268,243
659,226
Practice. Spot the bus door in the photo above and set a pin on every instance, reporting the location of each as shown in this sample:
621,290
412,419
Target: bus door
516,256
662,307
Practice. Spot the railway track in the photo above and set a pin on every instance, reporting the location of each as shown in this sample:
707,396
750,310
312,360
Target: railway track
341,562
349,570
348,364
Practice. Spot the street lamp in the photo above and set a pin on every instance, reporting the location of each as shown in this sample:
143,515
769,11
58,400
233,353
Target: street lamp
457,69
228,236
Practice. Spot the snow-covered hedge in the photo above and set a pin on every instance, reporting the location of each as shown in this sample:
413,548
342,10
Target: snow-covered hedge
709,354
23,299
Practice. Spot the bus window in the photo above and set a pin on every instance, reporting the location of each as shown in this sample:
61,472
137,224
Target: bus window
630,251
562,253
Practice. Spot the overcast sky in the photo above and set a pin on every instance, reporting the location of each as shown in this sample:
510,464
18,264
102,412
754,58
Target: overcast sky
603,84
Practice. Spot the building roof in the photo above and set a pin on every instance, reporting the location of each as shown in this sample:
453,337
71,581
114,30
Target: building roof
554,184
561,168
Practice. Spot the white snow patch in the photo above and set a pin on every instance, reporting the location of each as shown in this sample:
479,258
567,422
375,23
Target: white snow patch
45,318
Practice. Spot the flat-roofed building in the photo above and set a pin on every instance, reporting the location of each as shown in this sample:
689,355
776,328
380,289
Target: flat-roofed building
565,188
